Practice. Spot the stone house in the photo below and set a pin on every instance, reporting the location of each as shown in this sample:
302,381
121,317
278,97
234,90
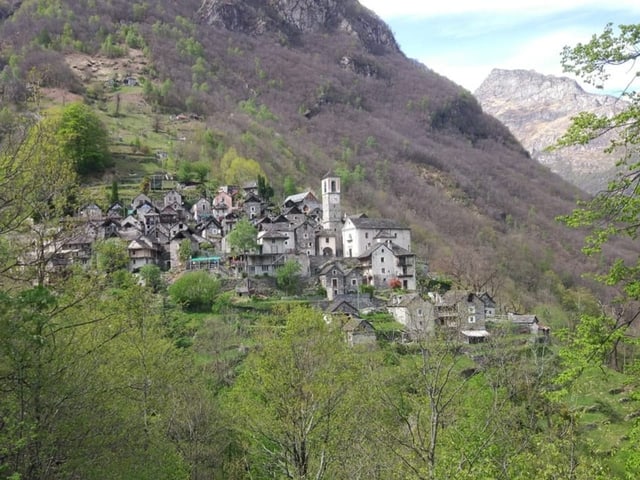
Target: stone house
264,264
294,215
327,243
116,210
386,261
282,226
173,199
140,200
252,206
143,251
168,215
305,238
223,197
201,210
463,312
90,212
359,332
211,231
360,234
305,201
175,242
272,242
220,210
332,279
415,313
489,305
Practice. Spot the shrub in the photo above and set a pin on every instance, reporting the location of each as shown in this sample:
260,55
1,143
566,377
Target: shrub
195,291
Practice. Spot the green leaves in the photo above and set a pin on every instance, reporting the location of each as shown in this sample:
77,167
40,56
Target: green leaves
293,402
243,238
590,60
84,139
288,276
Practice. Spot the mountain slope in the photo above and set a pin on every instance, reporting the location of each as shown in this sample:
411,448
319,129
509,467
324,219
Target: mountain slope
308,86
538,109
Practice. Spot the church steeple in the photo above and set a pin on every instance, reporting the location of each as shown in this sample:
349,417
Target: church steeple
331,211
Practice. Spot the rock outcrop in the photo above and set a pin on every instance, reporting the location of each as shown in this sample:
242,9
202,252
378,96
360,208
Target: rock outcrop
538,109
290,18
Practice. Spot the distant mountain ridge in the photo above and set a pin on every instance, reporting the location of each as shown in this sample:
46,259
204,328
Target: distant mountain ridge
538,109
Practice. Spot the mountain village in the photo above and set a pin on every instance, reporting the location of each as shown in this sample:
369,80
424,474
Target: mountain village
347,257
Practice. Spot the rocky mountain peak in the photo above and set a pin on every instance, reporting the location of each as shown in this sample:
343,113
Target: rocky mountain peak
528,87
538,109
294,17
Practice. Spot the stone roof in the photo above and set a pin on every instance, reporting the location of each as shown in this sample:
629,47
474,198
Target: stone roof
376,223
397,250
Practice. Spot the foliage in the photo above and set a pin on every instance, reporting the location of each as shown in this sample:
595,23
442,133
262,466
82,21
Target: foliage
288,277
185,251
349,177
292,401
195,291
37,188
256,110
114,196
243,238
84,139
613,212
288,186
111,255
265,190
237,169
152,277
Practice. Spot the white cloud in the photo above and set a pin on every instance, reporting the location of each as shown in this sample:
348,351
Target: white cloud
422,9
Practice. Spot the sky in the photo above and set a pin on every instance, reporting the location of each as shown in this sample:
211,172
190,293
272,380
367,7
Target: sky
465,39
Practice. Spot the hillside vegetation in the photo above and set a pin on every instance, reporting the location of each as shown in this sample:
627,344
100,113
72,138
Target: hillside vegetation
301,100
109,375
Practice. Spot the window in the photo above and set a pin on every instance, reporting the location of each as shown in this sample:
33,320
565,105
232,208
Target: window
305,235
383,271
334,282
366,234
472,319
472,309
419,312
354,282
326,240
381,259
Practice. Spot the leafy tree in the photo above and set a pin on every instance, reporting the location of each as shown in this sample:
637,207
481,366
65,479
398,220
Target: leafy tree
152,277
185,251
289,186
288,276
265,190
195,291
294,401
84,139
243,237
614,211
37,188
237,169
114,196
111,255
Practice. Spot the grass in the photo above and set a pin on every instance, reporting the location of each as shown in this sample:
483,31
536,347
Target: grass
602,417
